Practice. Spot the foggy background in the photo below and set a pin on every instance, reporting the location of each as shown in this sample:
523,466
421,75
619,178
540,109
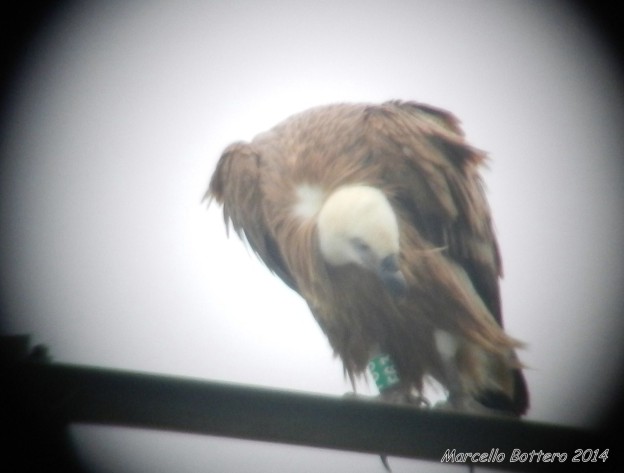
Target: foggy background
123,109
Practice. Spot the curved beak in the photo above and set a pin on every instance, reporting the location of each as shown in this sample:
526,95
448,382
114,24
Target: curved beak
390,274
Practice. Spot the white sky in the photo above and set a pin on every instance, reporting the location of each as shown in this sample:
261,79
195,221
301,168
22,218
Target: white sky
124,109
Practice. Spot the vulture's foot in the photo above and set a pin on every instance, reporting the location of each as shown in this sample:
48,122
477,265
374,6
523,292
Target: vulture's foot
468,405
399,397
404,397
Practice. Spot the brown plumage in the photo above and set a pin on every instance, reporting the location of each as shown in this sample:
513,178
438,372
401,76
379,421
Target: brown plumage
376,216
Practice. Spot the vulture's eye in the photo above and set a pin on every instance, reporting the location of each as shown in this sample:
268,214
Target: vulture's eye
360,245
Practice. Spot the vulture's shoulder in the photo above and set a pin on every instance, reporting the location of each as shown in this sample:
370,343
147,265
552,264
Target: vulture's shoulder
236,185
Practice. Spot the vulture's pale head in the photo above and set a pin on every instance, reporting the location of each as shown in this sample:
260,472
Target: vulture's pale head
357,225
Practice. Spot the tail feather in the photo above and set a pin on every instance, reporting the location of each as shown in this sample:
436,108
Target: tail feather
499,401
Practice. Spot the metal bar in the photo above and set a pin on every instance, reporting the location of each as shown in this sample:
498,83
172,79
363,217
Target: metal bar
70,394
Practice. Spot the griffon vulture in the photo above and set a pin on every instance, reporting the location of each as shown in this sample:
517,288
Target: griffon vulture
376,216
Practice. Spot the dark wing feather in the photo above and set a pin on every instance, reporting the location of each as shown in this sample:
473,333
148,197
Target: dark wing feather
437,182
236,185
